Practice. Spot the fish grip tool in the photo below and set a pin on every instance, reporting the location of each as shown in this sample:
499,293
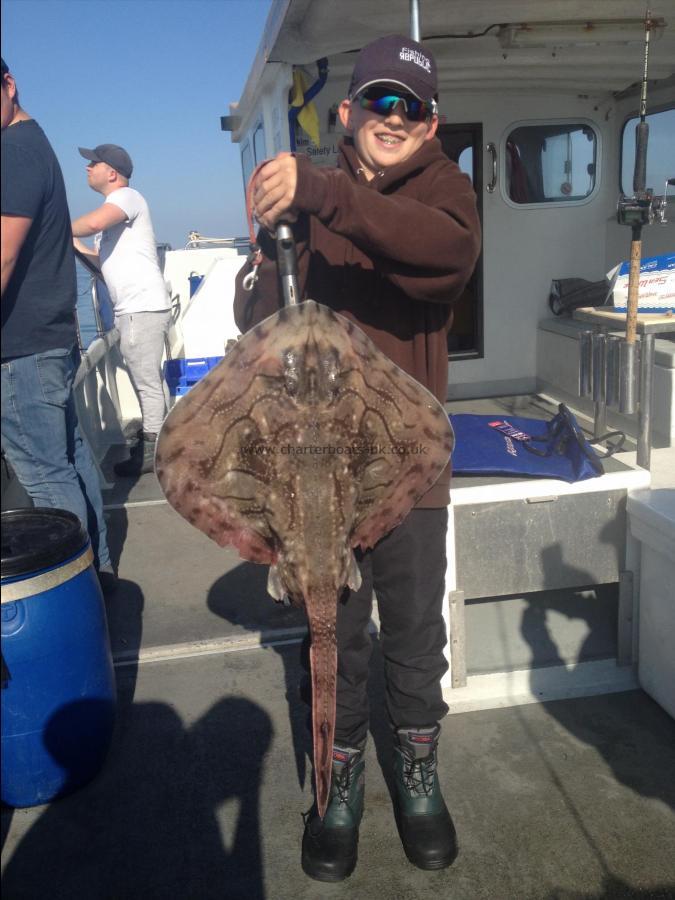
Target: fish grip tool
287,263
287,260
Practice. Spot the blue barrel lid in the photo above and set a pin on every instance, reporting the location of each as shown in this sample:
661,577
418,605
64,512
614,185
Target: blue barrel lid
39,538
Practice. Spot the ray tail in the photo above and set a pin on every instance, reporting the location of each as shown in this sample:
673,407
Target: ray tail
323,660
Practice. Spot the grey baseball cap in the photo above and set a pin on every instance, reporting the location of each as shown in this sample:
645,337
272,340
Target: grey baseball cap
112,155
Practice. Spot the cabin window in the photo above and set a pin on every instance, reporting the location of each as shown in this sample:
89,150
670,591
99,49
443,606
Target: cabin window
259,148
247,164
253,153
660,165
465,162
550,163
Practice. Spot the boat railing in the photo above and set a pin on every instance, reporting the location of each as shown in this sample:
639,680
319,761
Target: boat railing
96,365
100,330
96,275
105,337
95,352
196,240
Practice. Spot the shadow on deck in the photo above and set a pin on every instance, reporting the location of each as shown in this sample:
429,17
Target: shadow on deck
202,797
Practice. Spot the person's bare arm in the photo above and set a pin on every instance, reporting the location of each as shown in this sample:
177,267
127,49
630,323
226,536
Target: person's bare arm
14,232
99,219
87,251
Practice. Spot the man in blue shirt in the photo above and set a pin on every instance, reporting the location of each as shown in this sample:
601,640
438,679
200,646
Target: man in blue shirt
40,433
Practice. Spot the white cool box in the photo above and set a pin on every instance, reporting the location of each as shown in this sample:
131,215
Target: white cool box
652,521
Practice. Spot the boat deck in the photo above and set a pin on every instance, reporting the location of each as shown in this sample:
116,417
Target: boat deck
203,793
209,773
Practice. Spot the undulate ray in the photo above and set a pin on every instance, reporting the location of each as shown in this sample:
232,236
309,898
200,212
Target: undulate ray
304,443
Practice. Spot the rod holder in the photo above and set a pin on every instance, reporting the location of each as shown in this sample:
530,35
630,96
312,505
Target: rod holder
646,387
585,363
599,346
627,370
612,378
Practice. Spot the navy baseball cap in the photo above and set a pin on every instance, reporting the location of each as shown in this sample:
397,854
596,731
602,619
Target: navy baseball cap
112,155
396,60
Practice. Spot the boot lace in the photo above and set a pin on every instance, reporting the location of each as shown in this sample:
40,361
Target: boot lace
342,783
418,774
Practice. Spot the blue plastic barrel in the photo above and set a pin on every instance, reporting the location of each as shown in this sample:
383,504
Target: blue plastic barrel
58,686
195,280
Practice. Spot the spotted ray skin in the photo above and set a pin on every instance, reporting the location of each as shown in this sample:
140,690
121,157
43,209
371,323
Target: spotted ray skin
304,443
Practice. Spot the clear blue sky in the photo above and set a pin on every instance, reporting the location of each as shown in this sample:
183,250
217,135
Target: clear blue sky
152,75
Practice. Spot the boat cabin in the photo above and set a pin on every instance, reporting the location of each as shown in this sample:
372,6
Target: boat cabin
538,104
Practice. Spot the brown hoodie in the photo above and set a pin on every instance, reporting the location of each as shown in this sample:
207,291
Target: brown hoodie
392,254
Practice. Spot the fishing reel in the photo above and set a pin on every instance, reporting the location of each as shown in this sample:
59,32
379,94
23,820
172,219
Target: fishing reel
643,208
637,210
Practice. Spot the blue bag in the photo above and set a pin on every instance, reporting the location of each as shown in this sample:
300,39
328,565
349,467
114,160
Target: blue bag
510,445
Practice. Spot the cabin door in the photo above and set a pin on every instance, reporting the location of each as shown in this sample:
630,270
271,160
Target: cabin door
463,144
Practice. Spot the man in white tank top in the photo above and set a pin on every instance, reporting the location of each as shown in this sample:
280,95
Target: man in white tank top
126,252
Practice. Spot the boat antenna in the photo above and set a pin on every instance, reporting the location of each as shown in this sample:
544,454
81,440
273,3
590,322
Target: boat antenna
415,20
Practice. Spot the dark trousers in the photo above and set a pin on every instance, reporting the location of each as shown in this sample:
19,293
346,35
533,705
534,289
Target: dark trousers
406,569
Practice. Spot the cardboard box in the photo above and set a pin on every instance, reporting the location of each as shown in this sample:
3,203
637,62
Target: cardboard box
657,285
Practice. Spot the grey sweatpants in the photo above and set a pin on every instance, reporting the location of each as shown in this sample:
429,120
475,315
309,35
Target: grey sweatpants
142,344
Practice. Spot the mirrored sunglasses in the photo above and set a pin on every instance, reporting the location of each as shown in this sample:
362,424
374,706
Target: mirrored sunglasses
383,100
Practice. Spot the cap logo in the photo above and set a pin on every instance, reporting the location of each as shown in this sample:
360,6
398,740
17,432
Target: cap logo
409,55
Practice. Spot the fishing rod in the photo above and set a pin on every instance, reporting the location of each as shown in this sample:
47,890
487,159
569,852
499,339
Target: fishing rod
642,207
636,211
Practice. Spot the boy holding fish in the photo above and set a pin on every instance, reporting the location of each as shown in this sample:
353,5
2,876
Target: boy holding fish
389,240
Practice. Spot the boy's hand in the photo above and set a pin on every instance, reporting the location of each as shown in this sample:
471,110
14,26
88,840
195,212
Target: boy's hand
274,191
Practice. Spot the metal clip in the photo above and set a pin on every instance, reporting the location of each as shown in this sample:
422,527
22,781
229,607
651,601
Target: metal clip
255,258
250,279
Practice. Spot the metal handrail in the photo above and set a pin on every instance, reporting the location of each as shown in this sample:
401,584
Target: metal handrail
94,353
195,239
95,273
90,356
100,330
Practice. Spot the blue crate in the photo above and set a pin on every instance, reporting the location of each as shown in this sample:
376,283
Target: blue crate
184,373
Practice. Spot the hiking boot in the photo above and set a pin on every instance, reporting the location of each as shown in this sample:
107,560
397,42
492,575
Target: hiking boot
427,831
329,847
141,457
